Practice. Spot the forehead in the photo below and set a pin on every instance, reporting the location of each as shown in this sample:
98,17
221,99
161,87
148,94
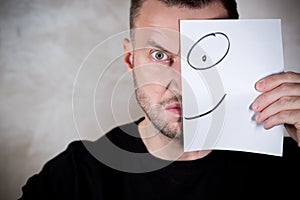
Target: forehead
154,13
159,24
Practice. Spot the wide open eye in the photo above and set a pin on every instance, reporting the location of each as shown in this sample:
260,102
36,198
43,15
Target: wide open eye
159,55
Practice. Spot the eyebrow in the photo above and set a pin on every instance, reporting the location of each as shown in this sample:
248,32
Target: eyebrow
152,43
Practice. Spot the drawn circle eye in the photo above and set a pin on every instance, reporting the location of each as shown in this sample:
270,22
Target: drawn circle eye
159,55
208,51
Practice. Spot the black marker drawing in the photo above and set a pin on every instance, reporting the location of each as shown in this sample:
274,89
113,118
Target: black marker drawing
208,112
204,59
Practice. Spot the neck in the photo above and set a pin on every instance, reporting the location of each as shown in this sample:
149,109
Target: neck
163,147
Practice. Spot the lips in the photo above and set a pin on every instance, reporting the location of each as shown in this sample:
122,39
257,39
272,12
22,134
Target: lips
174,108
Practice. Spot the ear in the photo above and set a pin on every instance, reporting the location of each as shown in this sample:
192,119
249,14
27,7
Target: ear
128,53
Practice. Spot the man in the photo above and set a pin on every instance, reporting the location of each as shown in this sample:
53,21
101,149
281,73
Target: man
145,159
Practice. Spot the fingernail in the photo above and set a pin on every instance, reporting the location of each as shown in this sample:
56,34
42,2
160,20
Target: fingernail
261,85
257,116
255,106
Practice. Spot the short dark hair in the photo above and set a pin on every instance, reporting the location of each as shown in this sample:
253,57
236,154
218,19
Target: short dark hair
229,5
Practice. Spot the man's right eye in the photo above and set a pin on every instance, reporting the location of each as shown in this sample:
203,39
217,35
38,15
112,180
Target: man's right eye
159,55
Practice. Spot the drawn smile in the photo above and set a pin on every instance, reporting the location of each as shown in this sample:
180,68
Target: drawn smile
208,112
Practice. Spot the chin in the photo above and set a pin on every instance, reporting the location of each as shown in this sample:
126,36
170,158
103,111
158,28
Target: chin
175,119
173,130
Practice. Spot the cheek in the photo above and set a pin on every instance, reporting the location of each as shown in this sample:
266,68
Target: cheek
153,92
152,74
153,89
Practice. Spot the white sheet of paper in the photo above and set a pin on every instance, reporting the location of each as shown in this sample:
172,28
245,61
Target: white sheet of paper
224,59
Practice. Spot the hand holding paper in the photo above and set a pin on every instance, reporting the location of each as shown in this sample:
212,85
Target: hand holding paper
279,102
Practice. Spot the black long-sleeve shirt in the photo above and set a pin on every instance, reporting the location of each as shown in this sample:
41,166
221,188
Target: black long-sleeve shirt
93,170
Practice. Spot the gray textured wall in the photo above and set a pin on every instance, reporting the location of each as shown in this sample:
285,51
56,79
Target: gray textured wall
43,43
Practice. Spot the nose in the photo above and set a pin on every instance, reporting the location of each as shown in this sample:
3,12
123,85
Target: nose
176,64
175,84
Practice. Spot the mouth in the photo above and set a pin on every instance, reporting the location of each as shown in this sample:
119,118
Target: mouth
174,108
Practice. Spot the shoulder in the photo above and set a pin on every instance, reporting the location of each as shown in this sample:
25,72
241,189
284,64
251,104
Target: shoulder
74,151
125,136
59,175
66,159
85,151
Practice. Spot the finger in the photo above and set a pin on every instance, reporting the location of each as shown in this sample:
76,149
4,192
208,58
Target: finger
284,103
270,82
267,98
285,117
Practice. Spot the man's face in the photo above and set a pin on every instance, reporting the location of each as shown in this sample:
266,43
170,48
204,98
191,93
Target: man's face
156,61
